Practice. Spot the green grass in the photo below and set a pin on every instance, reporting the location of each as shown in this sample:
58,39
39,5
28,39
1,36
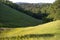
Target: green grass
10,17
40,32
32,31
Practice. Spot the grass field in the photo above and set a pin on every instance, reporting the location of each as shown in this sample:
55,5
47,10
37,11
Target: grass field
25,27
48,31
12,18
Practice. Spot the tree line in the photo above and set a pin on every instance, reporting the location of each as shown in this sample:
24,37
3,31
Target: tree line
46,12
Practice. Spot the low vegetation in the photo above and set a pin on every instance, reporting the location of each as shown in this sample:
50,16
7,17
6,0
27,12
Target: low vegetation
49,31
18,23
13,18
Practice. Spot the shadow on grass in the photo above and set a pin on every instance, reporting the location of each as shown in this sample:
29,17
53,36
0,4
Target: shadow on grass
25,37
37,35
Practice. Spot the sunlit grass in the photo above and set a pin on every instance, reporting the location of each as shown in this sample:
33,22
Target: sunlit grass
48,28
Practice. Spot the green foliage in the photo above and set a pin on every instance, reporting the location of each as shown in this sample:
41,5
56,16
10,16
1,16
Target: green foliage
41,11
38,11
55,10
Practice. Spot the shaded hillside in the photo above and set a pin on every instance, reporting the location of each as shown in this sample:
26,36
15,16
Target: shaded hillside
36,10
13,18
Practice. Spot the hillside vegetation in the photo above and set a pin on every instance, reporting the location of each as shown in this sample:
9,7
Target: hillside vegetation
13,18
49,29
20,23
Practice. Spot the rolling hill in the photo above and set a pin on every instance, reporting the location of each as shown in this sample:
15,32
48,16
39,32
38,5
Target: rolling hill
52,28
12,18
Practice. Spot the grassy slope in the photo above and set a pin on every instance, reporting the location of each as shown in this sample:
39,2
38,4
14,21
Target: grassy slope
11,17
49,28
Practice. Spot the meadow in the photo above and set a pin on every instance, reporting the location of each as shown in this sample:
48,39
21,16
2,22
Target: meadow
48,31
16,24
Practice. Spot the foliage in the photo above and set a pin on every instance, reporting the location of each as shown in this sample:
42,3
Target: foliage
54,10
41,11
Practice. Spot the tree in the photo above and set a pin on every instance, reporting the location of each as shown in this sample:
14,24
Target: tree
55,10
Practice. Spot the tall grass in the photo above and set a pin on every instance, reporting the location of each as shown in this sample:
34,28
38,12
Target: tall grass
32,37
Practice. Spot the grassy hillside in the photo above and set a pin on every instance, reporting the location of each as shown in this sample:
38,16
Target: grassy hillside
48,31
12,18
